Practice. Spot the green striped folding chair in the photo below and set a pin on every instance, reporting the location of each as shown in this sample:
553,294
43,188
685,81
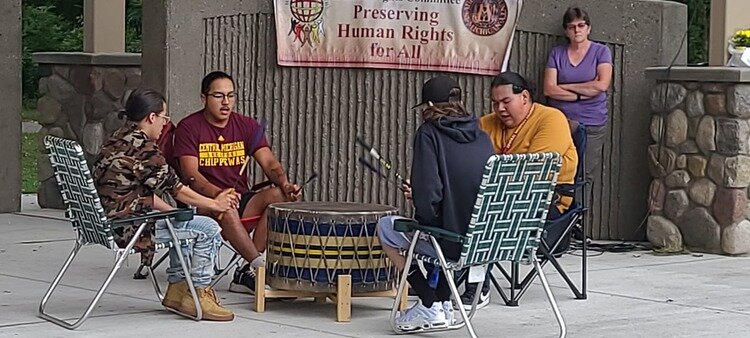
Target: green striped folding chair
506,225
92,227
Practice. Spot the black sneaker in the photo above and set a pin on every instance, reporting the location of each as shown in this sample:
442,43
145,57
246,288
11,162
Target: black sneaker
471,289
243,280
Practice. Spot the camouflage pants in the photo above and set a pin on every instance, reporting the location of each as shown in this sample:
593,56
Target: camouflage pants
200,254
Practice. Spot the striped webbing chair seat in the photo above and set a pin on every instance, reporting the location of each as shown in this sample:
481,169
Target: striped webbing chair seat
506,224
83,206
92,227
511,207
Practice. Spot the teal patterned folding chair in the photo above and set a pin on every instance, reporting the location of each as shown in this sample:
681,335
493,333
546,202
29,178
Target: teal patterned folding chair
92,227
506,225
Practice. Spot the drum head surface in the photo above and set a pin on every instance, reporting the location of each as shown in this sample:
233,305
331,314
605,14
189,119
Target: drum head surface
333,207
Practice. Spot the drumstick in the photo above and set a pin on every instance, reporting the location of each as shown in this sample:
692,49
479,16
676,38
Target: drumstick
312,177
242,170
372,168
374,153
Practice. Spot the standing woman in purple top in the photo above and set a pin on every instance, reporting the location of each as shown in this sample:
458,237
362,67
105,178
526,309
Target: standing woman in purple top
576,81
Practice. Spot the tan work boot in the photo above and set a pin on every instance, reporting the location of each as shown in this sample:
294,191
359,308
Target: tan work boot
212,310
174,295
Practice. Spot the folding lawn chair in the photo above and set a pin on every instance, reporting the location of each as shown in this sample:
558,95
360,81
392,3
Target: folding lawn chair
506,224
556,237
92,227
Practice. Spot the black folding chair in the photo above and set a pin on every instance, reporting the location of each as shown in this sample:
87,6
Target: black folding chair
556,238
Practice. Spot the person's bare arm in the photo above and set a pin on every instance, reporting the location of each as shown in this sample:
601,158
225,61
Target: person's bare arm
196,180
225,200
557,91
275,172
161,205
598,85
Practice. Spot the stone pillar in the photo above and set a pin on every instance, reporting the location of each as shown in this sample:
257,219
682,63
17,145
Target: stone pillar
700,159
80,96
727,17
10,114
104,26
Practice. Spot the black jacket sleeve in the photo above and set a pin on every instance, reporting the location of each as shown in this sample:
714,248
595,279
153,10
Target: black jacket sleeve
427,188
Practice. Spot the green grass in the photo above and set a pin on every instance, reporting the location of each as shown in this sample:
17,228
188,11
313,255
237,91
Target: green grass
29,183
28,113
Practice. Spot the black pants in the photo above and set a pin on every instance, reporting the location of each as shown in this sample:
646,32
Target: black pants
426,294
552,213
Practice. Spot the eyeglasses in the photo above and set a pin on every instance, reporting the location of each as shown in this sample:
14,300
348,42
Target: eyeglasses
165,117
221,96
580,25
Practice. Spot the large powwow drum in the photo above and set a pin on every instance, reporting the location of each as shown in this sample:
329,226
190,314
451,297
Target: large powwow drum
311,243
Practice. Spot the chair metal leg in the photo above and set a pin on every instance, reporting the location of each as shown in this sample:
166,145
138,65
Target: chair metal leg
52,288
550,296
584,264
499,289
454,290
523,286
76,248
235,260
155,283
186,270
514,295
565,277
139,272
402,284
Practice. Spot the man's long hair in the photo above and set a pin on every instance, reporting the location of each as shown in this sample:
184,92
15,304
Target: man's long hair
453,108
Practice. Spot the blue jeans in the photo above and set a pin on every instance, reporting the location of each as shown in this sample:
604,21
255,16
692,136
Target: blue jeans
200,254
399,240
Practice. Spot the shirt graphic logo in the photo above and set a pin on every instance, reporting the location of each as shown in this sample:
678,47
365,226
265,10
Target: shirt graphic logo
221,154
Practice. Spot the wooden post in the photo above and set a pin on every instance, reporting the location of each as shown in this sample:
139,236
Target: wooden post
260,289
344,298
404,298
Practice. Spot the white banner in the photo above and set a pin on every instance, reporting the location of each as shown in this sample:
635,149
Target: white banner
466,36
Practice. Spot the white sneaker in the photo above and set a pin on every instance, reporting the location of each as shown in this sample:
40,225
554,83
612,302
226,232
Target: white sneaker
448,309
420,317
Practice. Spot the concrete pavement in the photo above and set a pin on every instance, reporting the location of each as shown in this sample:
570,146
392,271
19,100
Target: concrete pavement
635,294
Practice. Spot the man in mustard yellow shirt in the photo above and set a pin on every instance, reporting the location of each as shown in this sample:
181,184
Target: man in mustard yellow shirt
519,125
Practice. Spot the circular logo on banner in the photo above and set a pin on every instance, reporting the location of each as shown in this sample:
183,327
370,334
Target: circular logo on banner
484,17
306,10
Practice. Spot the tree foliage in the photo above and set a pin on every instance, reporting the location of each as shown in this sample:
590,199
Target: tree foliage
45,30
57,26
697,35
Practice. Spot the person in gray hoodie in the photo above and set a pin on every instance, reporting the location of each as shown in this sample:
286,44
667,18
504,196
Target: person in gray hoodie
450,153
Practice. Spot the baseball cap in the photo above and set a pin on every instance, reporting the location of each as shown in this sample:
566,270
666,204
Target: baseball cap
437,89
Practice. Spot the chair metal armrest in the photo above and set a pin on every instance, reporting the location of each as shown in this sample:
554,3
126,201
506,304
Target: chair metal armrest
409,225
568,190
180,215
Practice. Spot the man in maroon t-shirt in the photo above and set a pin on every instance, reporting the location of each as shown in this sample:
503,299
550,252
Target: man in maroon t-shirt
212,145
